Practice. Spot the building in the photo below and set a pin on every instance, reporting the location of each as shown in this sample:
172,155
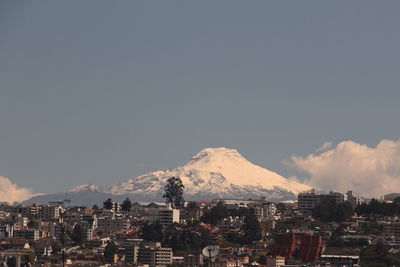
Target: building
155,255
114,223
311,247
19,222
351,199
191,260
164,215
263,209
48,213
276,261
6,231
284,245
342,260
309,200
55,229
391,197
131,250
27,234
30,210
392,228
260,207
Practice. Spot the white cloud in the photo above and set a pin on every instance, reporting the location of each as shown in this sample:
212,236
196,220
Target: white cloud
10,192
324,147
368,171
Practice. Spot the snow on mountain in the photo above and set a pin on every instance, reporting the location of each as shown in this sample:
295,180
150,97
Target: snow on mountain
214,172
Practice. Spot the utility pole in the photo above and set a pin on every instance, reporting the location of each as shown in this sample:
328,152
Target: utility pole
62,241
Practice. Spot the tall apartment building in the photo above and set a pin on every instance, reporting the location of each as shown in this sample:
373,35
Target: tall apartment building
30,210
27,234
263,209
164,215
131,250
155,256
308,201
112,223
49,213
351,199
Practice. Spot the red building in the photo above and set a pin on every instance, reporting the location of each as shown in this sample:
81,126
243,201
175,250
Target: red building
311,248
284,245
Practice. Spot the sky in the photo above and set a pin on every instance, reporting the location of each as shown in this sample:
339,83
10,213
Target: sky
102,91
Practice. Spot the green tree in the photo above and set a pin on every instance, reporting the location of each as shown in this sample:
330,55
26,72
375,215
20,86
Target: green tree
329,211
77,234
95,207
126,205
33,224
109,252
174,192
215,214
251,229
108,204
192,205
152,232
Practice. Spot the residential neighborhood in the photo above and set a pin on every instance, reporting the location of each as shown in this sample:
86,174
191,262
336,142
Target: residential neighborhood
319,229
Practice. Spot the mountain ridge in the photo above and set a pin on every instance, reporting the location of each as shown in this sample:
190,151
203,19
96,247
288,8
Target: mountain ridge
211,173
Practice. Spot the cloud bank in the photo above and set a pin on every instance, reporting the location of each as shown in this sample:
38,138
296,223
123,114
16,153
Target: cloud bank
10,192
368,171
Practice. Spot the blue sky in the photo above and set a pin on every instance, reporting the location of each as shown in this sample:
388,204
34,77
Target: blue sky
101,91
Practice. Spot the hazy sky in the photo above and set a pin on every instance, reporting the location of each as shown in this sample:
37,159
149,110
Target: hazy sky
101,91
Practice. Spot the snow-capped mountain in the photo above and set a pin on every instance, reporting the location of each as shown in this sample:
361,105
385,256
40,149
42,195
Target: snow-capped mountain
215,173
212,173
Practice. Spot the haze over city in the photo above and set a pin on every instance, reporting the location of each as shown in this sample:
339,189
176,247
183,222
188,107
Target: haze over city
99,92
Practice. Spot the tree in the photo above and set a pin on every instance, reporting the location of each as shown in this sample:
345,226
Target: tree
251,229
174,192
109,252
263,259
33,224
215,214
95,207
77,234
108,204
329,211
152,232
126,205
192,205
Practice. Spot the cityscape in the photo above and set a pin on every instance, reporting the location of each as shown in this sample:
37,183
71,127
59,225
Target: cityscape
317,229
225,133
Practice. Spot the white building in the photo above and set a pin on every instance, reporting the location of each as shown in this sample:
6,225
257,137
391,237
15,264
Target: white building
49,213
155,256
308,201
164,215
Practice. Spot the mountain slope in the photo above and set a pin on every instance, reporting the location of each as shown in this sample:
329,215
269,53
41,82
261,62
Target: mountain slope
215,172
212,173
